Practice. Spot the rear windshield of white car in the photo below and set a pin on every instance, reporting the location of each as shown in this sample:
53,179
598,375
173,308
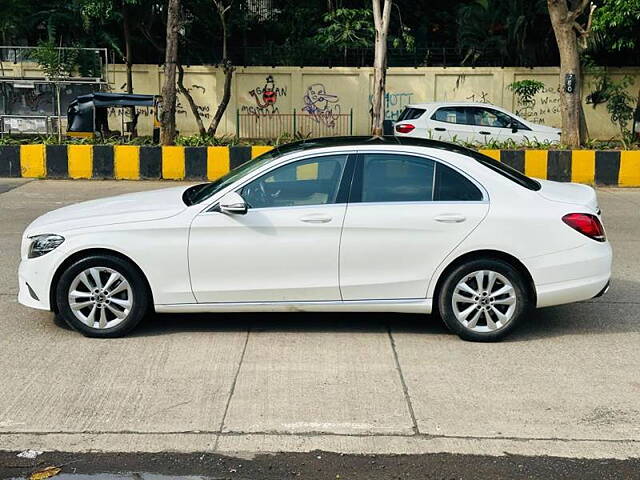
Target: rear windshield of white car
506,171
411,113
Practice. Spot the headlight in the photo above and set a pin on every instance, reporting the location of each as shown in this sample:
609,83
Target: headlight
43,244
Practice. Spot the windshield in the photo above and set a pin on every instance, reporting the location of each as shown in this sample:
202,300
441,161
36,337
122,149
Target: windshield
202,192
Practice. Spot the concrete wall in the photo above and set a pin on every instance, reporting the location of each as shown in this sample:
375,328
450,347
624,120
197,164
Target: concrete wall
350,89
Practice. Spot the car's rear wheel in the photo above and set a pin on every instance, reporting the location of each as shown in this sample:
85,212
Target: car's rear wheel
102,296
483,300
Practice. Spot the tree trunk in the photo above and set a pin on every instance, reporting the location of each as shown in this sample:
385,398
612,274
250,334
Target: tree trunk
381,22
168,116
564,25
569,102
224,102
227,67
128,53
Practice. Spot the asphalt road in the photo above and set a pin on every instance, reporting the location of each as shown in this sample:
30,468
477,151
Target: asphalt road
566,384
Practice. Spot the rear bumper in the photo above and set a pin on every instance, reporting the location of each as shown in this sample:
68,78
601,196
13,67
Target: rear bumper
573,275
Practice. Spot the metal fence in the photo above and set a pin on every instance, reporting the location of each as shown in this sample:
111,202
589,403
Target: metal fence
30,124
271,125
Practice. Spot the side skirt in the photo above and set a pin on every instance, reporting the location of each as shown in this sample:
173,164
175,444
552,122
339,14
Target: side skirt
418,305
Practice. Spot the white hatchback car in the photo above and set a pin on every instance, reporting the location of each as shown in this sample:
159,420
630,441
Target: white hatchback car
470,122
346,224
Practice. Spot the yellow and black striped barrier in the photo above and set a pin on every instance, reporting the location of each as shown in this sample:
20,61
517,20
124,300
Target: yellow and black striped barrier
599,167
123,162
129,162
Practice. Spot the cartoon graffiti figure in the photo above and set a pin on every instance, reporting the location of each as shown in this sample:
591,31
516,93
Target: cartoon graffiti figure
269,94
317,103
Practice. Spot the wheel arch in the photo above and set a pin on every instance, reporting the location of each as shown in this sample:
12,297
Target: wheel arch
74,257
486,254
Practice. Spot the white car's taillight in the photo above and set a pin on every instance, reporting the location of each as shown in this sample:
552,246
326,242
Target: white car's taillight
405,128
586,224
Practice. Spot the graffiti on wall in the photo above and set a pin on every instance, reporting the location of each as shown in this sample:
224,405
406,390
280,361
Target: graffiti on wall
482,97
323,107
544,107
265,98
394,103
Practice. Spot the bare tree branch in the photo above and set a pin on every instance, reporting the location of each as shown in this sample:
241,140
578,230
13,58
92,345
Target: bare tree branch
192,104
577,11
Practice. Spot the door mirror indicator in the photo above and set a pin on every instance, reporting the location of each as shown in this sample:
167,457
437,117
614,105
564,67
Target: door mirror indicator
233,203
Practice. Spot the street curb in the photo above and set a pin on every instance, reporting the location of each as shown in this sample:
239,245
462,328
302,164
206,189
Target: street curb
132,162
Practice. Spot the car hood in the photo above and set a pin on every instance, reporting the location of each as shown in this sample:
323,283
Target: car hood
574,193
130,207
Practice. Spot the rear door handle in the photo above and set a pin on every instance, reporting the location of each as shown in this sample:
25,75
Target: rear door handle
440,129
484,133
450,218
316,218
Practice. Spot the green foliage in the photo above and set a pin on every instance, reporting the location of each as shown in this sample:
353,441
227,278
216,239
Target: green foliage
55,63
525,90
617,22
206,140
230,140
347,28
620,103
620,106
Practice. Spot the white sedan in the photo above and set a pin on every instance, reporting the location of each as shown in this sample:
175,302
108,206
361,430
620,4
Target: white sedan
348,224
470,122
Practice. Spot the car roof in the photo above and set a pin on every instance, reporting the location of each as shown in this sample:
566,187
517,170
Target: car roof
453,104
356,141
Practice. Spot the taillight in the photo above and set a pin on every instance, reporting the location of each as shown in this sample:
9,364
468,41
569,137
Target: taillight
404,128
586,224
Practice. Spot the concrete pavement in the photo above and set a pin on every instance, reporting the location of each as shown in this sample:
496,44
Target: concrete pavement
565,384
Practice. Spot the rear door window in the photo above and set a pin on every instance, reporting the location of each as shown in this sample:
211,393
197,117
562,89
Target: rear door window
456,115
451,186
411,113
396,178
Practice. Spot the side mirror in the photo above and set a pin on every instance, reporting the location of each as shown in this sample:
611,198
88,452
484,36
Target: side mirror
514,127
233,203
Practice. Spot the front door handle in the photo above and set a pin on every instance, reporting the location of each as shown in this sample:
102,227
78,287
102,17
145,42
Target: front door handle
316,218
450,218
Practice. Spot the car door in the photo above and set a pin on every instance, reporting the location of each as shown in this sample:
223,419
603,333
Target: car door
285,248
487,125
450,124
406,213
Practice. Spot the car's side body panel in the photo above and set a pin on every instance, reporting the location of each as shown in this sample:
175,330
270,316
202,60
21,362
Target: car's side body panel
157,247
390,250
269,254
430,125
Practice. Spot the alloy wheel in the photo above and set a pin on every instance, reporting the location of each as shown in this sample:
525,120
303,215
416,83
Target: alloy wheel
100,297
484,301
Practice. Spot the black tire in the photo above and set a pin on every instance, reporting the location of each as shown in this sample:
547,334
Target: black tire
138,286
523,303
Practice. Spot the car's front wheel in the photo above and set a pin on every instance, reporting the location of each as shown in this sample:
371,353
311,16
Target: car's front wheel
102,296
483,300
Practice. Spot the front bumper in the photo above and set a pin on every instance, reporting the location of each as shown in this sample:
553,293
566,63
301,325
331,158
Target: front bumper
36,273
